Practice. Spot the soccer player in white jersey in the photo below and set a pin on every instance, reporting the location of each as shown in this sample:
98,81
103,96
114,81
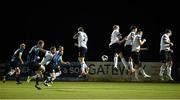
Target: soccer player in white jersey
136,47
116,45
128,47
82,47
166,51
48,56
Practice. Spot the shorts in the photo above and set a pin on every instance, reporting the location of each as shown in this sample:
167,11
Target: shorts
116,48
82,51
165,56
34,66
136,57
127,52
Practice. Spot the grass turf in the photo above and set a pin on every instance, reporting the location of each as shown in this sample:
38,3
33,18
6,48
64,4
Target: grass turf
90,90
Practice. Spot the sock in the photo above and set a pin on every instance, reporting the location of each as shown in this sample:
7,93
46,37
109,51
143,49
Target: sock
17,78
161,70
37,80
136,73
130,64
124,63
169,71
115,61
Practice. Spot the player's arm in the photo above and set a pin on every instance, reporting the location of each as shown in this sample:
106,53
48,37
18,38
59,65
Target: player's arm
20,58
166,41
141,42
63,62
42,50
76,36
122,40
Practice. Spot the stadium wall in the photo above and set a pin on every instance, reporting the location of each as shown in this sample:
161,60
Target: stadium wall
102,71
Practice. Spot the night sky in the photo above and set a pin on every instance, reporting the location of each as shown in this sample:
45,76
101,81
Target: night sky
57,22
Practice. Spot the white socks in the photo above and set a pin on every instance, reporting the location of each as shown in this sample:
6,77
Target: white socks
115,61
162,69
124,63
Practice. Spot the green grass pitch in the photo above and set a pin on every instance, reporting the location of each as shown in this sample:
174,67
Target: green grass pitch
91,90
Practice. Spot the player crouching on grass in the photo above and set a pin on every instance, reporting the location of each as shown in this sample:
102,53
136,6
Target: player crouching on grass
53,68
16,62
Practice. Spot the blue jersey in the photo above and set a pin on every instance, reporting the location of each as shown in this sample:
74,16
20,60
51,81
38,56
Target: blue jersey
55,60
15,58
33,54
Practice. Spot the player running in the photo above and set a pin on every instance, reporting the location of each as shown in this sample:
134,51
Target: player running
33,64
15,64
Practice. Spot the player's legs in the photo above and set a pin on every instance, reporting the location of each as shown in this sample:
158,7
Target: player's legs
128,56
83,66
30,72
136,60
162,69
123,60
10,73
169,66
18,71
81,58
169,69
141,69
164,64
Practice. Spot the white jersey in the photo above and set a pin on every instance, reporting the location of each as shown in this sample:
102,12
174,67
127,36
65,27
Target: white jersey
135,44
47,58
163,45
130,37
82,39
114,37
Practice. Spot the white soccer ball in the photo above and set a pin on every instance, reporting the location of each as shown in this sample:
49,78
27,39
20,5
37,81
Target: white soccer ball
104,58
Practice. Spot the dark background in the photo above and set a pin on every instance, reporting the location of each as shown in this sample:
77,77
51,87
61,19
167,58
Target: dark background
57,22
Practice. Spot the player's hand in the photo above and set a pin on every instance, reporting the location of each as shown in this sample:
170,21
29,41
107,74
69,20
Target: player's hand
125,38
171,44
67,62
144,40
75,44
171,51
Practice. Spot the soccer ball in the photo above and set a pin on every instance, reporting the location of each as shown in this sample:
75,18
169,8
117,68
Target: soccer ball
104,58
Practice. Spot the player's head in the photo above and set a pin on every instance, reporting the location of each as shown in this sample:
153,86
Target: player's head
134,28
53,49
40,44
140,32
81,29
22,46
61,50
116,27
168,31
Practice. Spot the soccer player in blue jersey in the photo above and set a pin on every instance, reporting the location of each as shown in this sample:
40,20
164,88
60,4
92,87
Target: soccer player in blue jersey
15,64
34,65
54,66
